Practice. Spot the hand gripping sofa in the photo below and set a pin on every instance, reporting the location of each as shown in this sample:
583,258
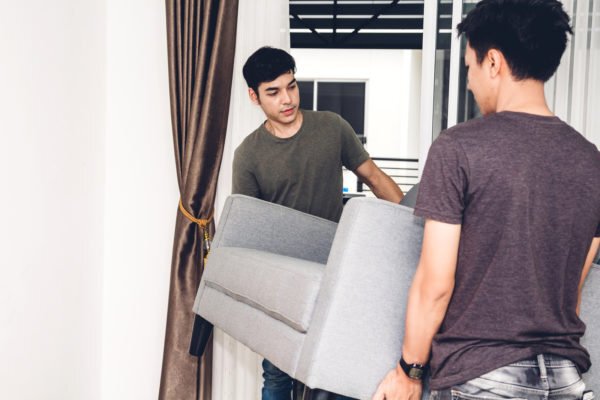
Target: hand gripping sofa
324,302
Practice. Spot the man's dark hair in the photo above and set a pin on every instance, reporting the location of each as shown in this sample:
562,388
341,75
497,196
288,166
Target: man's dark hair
265,65
531,34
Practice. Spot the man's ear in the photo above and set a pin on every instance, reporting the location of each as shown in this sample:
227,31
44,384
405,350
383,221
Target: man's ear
253,96
496,62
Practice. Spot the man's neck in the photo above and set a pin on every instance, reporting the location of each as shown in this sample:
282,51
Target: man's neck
526,96
284,131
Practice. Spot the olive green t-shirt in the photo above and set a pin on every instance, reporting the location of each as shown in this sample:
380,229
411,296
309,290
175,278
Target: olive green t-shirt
304,171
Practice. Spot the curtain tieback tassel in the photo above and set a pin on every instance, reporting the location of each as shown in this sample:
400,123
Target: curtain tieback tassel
203,224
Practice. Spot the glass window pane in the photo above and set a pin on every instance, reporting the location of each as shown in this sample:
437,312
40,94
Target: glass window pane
306,94
345,98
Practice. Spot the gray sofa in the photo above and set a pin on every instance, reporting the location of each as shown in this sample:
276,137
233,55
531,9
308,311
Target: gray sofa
590,314
324,302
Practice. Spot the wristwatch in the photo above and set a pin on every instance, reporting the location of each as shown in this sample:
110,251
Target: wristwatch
413,371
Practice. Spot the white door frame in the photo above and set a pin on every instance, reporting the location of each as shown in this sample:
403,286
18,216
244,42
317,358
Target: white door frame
430,32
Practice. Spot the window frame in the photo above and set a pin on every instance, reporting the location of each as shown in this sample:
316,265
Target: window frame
315,82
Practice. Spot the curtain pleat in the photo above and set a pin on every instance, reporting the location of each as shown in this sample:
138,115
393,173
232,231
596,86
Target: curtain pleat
201,47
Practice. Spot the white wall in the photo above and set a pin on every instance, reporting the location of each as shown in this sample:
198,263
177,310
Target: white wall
88,200
141,199
393,92
51,208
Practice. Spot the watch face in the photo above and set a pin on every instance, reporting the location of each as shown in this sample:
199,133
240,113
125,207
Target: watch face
415,373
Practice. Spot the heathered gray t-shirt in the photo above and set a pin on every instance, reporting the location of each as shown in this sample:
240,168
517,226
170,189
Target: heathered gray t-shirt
526,190
304,171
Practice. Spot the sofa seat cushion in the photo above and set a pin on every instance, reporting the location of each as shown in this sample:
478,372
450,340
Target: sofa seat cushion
243,274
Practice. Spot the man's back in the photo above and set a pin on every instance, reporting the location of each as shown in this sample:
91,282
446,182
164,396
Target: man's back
512,209
526,190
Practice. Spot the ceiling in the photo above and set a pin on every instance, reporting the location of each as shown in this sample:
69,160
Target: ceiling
360,24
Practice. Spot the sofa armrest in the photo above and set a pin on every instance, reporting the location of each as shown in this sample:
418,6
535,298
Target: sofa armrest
358,321
590,314
256,224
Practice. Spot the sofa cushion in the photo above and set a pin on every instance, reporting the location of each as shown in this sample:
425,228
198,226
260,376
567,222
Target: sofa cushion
243,274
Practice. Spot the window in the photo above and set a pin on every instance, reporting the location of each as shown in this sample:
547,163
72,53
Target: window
344,98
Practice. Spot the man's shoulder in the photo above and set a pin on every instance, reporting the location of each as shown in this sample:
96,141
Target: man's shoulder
322,116
249,142
467,129
457,136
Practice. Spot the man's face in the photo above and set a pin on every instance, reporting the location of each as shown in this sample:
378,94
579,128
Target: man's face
479,81
279,99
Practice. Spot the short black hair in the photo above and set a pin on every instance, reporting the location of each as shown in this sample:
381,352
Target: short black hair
265,65
531,34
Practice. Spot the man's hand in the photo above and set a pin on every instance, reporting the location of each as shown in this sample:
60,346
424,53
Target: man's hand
397,386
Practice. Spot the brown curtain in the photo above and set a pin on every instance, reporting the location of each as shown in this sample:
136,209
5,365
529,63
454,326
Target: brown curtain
201,48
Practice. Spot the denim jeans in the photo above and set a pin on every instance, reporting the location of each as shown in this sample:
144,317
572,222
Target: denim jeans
278,386
545,377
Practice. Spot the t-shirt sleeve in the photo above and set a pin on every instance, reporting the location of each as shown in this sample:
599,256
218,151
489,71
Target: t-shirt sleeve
353,152
243,179
598,230
443,186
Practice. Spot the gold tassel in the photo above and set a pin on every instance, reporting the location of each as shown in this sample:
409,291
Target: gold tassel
204,226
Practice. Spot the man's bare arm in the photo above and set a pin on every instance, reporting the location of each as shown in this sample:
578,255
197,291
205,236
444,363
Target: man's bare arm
428,301
586,268
380,183
431,289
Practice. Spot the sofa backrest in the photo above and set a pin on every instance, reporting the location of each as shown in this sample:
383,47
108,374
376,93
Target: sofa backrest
257,224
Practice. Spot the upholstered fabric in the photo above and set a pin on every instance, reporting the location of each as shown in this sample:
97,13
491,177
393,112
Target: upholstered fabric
346,334
271,338
266,274
256,224
359,317
283,287
590,314
247,222
410,198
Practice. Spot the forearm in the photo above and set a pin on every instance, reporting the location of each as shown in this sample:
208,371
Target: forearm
427,305
384,187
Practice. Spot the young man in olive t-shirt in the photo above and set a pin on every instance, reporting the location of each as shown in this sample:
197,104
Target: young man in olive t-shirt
512,209
295,159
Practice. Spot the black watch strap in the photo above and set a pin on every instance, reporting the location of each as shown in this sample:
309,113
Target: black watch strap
413,371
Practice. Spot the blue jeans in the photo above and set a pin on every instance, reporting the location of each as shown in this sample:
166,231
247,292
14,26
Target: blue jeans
545,377
278,385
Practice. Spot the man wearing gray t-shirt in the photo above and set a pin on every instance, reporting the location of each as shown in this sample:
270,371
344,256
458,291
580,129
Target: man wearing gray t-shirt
295,159
512,208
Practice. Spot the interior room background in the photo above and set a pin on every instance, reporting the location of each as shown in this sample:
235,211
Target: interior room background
89,189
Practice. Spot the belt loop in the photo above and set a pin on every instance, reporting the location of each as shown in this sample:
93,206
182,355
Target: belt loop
542,365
